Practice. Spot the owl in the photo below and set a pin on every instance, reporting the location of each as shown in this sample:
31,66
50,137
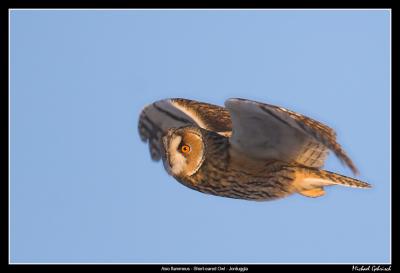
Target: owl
245,150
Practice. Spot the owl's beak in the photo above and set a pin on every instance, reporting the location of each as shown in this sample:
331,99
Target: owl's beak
164,147
165,144
165,139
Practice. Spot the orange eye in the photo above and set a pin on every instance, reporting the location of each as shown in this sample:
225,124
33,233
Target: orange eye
185,149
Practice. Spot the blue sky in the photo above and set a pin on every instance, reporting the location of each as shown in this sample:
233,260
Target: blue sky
83,187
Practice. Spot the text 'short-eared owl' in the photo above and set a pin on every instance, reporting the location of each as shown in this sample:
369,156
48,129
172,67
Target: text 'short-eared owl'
246,150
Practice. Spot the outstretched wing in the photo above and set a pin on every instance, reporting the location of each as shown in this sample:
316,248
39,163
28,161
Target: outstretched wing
265,131
156,118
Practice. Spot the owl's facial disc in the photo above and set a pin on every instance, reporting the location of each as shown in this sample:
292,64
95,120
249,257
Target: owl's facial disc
184,151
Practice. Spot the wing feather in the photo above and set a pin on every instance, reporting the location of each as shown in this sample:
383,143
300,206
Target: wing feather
268,131
156,118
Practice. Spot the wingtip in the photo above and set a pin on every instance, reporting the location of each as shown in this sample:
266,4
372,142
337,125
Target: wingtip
352,167
345,159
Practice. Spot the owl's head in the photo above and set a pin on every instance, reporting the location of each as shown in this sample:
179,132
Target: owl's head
184,150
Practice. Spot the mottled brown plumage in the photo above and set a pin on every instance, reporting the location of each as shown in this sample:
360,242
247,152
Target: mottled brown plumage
247,150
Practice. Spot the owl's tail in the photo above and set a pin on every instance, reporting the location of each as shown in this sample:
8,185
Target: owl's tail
310,182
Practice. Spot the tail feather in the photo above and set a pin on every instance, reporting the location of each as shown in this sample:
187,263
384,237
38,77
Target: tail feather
310,178
337,179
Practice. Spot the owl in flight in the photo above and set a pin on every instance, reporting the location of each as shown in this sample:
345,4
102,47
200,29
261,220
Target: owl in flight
246,150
